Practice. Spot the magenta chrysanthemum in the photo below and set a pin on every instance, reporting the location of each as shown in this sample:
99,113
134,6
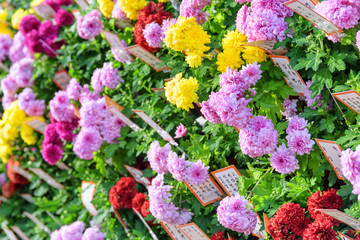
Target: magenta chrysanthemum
52,153
258,138
180,131
300,141
154,34
90,25
283,160
233,214
157,157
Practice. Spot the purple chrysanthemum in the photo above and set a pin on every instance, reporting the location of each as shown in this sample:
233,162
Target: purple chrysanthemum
88,141
283,160
73,231
107,76
90,25
296,124
22,72
177,166
5,44
358,40
93,233
167,23
300,141
157,157
310,101
350,167
73,90
153,34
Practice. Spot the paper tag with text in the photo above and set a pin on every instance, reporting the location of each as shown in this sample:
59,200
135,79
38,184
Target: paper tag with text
37,222
332,152
121,24
36,124
193,232
87,195
82,4
137,175
47,178
117,45
10,234
201,121
227,178
213,53
22,172
27,197
266,45
153,235
62,166
313,17
257,232
342,217
174,232
350,99
207,192
62,79
146,57
292,77
44,11
165,135
344,237
116,109
20,233
309,3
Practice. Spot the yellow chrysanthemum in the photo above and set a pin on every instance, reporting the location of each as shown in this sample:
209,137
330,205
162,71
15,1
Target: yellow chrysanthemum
163,1
132,7
187,35
229,58
36,3
17,16
27,134
233,40
5,152
106,7
254,54
181,91
4,26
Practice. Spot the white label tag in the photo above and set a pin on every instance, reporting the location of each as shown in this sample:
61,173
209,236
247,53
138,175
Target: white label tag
44,11
193,232
342,217
266,45
27,197
20,233
137,175
37,222
87,195
47,178
62,79
153,235
207,192
121,24
174,232
344,237
37,125
332,152
117,45
350,99
82,4
292,77
22,172
228,178
10,234
146,57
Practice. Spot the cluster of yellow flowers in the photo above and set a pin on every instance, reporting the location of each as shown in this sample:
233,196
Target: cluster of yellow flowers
235,54
186,35
4,27
106,7
17,16
132,7
11,124
181,91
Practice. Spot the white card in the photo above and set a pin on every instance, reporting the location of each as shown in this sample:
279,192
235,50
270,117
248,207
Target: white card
117,45
87,195
27,197
37,125
193,232
342,217
62,79
227,178
137,175
22,172
47,178
146,57
82,4
207,192
44,11
292,77
174,232
266,45
332,152
10,234
121,24
153,235
350,99
201,120
37,222
257,232
165,135
20,233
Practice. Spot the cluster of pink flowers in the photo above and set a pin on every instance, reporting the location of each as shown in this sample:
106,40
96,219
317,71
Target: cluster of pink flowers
228,106
27,101
233,214
289,108
5,44
42,37
160,205
90,25
258,137
194,8
264,20
107,76
309,100
60,107
55,132
19,50
283,160
350,163
163,160
75,231
343,13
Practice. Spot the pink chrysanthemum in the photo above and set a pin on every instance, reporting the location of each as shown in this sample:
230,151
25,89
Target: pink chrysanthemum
157,157
283,160
180,131
296,124
197,173
300,141
154,34
289,108
177,166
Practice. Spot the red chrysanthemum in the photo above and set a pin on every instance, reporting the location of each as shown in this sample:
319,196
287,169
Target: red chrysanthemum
218,236
138,201
320,229
151,13
122,193
8,189
357,237
14,177
288,222
325,200
145,208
